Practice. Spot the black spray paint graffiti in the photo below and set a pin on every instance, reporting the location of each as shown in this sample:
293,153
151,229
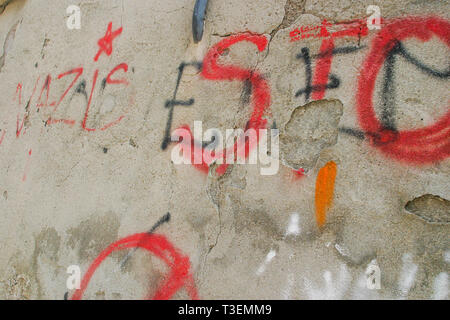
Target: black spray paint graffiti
388,95
164,219
161,221
334,81
170,104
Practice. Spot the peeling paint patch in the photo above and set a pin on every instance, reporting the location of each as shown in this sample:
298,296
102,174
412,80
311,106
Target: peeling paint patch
430,208
4,5
92,235
8,42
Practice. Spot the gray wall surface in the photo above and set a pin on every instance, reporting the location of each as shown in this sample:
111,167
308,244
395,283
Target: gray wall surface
363,185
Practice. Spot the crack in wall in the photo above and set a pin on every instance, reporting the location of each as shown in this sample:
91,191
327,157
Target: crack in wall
9,40
4,5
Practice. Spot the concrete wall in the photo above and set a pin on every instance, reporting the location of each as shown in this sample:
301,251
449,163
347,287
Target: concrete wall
364,131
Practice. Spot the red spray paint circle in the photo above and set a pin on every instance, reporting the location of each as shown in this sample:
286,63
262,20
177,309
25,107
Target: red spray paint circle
425,145
260,100
179,266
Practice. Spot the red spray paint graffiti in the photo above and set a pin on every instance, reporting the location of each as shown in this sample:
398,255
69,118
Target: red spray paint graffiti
425,145
43,101
260,91
78,72
179,275
343,29
105,43
323,67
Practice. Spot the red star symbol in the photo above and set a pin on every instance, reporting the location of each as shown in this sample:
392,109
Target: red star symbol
105,43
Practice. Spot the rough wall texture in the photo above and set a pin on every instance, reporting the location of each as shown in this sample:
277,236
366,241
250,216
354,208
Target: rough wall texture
82,123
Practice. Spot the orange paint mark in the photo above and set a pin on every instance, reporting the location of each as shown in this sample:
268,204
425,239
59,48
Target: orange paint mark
325,191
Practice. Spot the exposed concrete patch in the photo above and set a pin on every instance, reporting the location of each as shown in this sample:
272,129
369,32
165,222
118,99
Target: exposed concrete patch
311,128
293,9
94,235
18,287
46,246
47,242
430,208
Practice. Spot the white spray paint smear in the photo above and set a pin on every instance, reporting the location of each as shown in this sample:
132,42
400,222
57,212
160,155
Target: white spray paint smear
287,291
269,258
332,290
440,286
343,251
293,227
408,274
447,256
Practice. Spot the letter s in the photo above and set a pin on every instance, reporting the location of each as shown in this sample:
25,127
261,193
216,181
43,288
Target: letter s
260,88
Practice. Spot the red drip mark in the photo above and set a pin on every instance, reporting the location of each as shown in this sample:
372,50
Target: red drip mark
425,145
19,127
105,43
179,275
3,136
27,166
260,91
18,90
122,66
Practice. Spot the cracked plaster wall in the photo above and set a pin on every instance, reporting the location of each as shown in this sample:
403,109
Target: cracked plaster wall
67,193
